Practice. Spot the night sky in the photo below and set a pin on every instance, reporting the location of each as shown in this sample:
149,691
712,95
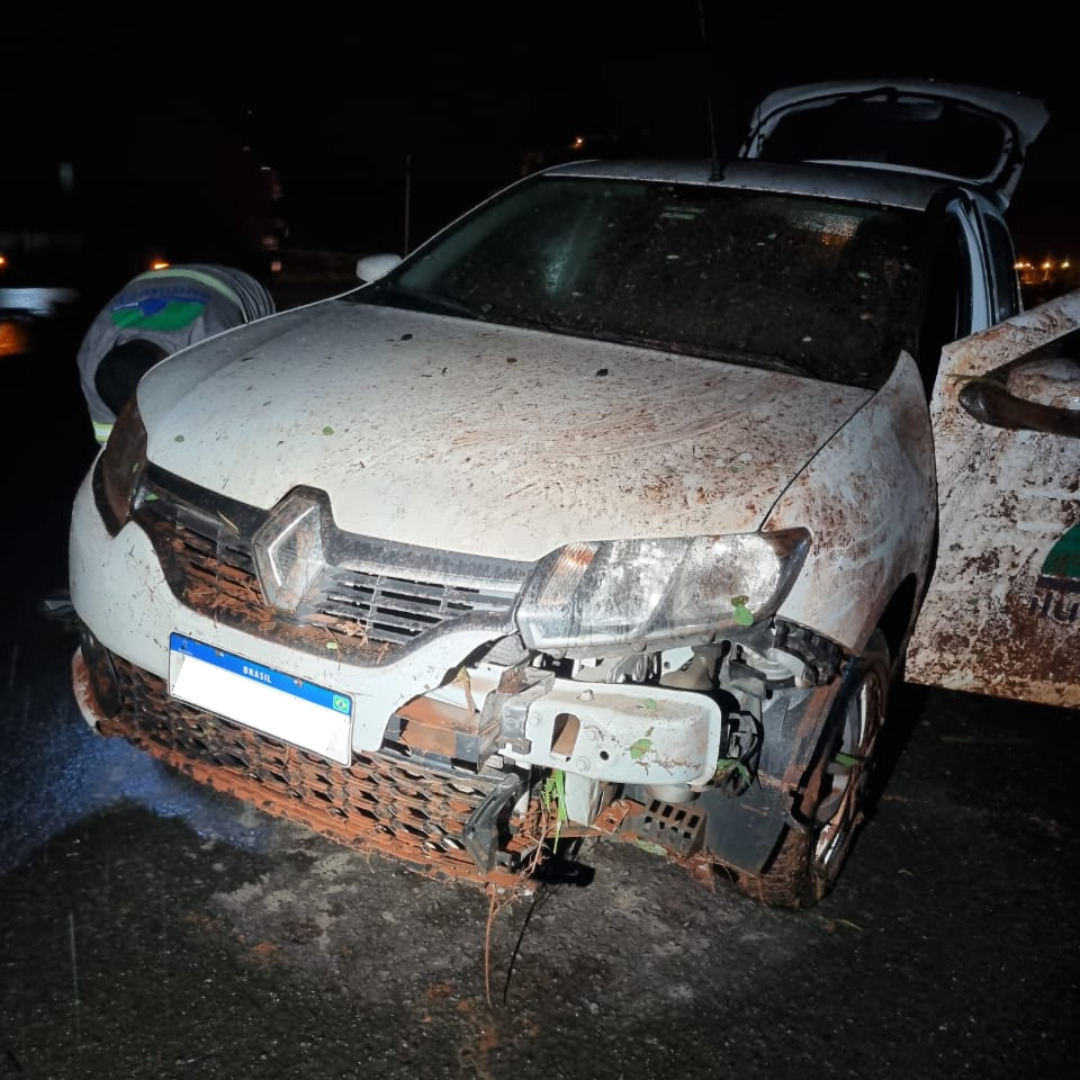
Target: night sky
156,103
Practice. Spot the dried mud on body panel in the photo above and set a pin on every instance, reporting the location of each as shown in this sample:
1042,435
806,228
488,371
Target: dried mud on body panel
993,622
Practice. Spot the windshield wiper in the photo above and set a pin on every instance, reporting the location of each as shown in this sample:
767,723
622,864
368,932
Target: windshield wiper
774,363
758,360
396,296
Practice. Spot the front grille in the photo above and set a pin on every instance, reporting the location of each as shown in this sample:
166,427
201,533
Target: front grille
397,610
366,608
212,574
379,803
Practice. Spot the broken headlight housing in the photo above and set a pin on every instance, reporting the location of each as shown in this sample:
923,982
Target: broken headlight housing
643,594
119,468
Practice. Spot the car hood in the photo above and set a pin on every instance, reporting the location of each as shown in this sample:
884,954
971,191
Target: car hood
460,435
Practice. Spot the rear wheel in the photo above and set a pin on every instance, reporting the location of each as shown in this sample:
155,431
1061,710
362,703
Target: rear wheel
835,791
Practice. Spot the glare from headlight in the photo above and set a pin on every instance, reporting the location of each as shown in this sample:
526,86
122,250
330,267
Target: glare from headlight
119,467
639,594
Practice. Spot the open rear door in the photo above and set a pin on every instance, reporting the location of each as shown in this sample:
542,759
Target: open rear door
972,134
1002,614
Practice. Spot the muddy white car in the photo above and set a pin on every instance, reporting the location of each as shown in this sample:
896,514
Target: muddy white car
611,510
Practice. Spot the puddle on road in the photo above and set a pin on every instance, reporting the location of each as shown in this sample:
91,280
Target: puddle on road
57,772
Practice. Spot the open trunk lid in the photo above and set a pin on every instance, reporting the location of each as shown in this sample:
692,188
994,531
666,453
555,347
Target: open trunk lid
976,135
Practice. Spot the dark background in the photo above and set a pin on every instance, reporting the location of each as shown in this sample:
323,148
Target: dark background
167,113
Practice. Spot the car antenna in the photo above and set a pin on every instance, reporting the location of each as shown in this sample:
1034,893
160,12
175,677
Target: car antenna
713,149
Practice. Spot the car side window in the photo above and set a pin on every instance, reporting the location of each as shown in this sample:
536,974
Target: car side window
1003,267
947,312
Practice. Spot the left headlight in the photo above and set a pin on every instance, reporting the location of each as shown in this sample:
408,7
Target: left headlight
119,468
641,594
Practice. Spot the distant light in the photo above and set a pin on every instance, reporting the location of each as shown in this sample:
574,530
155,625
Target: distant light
3,260
1048,265
159,264
578,143
1065,264
14,338
275,266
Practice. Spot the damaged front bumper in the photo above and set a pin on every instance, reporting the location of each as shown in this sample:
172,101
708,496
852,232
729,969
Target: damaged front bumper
485,736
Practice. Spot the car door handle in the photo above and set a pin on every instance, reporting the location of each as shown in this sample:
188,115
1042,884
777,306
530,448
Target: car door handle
989,401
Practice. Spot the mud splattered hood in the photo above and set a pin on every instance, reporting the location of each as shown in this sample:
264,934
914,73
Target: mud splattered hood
484,439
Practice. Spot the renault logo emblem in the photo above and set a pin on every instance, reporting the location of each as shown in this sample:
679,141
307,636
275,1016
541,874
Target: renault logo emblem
289,549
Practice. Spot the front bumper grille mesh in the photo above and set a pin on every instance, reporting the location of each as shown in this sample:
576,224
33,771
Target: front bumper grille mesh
378,803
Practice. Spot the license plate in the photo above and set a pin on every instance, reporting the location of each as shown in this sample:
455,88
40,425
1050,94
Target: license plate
259,697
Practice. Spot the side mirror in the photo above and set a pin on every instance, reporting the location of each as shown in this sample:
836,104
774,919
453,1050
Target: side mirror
372,267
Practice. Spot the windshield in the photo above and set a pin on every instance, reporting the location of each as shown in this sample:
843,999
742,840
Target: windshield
822,288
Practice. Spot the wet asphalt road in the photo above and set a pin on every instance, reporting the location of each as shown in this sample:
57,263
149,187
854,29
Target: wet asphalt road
150,928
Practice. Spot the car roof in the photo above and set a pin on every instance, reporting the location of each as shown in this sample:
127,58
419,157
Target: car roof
908,191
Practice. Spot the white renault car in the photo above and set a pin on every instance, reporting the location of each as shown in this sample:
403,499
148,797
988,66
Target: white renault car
610,511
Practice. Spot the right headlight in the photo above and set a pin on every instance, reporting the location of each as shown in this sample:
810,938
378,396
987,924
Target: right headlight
643,594
119,467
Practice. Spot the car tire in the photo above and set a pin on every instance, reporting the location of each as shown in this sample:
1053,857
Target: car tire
836,792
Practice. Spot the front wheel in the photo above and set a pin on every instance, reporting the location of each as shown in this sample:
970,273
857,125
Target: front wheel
835,790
